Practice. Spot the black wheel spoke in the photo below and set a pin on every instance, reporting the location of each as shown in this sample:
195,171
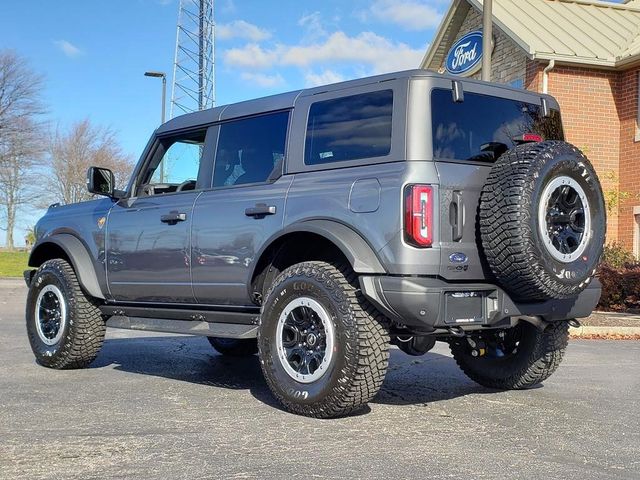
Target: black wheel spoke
291,336
297,317
295,357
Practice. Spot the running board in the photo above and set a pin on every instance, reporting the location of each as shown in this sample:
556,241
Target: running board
187,327
245,316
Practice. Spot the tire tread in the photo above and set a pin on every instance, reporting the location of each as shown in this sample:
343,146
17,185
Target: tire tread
368,363
505,215
87,327
547,354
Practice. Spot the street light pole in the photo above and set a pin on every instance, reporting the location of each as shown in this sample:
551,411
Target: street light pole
164,89
164,102
487,37
164,96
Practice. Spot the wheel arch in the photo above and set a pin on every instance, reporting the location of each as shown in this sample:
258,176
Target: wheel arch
328,240
69,248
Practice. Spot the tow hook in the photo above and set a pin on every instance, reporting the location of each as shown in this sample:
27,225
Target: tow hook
478,348
457,332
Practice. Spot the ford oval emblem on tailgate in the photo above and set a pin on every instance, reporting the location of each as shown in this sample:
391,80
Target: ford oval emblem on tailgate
458,257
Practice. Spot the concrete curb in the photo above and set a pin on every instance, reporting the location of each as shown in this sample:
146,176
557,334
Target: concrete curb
587,331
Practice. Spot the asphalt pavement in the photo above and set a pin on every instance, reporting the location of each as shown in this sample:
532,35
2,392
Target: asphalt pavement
166,406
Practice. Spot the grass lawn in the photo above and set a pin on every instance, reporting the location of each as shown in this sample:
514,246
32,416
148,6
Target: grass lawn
12,264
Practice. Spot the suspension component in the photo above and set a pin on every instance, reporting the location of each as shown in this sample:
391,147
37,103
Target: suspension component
478,347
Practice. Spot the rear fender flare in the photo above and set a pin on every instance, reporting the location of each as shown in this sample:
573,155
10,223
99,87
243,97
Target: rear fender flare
353,246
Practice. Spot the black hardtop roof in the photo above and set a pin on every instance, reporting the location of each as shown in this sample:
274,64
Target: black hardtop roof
283,101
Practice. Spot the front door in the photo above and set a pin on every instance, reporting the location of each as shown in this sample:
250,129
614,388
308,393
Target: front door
148,234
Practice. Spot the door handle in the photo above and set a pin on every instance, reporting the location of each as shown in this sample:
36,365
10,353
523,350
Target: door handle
173,217
456,216
261,210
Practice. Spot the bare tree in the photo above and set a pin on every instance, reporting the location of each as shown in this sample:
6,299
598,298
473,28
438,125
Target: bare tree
20,139
71,153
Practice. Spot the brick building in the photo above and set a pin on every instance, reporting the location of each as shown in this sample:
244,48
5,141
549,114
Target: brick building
587,55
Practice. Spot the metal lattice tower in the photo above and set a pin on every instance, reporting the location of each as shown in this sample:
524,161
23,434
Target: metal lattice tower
193,86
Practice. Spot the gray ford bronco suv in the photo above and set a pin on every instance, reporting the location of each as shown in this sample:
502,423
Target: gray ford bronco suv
316,228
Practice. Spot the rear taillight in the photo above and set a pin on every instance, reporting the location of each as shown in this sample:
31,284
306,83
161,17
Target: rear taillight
418,215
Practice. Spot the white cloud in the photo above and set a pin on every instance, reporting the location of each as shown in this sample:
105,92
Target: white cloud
68,48
410,14
263,80
378,53
313,26
241,29
323,78
251,55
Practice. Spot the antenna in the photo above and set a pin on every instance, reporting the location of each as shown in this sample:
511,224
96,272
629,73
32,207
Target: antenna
193,86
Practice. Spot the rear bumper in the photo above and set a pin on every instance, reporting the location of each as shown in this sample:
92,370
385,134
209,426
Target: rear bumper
430,304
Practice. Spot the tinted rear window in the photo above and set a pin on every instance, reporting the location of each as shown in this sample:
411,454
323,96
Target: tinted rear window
349,128
483,127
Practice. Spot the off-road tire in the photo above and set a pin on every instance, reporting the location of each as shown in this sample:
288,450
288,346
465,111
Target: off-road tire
84,328
361,349
511,237
539,354
234,347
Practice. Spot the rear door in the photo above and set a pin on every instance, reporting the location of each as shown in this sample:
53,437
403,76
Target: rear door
232,221
468,137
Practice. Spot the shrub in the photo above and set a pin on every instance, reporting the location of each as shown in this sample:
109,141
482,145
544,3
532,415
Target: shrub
619,274
616,256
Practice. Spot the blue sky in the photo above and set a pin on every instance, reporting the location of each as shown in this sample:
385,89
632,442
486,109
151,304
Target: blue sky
93,53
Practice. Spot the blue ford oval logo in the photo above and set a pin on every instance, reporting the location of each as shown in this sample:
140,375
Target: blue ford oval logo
465,55
458,257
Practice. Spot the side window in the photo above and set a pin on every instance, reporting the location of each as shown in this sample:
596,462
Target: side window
175,166
249,149
349,128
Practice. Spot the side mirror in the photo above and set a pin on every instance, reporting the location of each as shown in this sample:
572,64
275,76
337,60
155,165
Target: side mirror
101,181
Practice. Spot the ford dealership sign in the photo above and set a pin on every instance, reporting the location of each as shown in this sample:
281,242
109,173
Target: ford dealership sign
465,56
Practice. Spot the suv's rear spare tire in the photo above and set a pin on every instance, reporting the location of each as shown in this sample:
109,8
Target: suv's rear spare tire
543,221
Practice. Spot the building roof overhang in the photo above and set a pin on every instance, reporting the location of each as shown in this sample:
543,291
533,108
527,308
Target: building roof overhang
544,39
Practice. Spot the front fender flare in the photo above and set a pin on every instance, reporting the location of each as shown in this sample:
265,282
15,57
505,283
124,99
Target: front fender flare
78,255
